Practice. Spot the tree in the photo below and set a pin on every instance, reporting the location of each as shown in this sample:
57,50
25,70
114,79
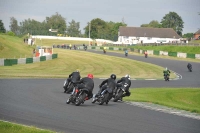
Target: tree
173,20
73,29
153,24
56,22
97,28
188,35
14,25
2,28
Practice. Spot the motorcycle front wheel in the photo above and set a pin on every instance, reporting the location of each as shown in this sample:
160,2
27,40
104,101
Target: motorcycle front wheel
103,98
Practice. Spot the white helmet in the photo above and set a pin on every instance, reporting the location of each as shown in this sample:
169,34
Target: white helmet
128,76
166,68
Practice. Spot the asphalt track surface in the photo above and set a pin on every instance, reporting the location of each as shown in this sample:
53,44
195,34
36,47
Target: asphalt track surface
42,103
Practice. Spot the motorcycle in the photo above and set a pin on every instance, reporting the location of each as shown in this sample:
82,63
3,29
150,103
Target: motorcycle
85,48
166,77
126,54
79,96
190,68
68,88
145,55
104,51
104,96
119,93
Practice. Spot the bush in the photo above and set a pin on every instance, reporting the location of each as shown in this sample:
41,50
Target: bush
10,33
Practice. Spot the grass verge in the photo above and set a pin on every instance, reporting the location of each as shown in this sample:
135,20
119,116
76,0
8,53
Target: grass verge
180,98
7,127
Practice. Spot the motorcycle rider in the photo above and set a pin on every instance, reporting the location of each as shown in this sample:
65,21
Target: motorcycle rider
108,83
145,53
126,52
189,65
166,72
88,83
74,76
126,82
104,49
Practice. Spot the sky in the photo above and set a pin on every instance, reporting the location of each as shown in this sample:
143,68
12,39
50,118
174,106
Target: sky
133,12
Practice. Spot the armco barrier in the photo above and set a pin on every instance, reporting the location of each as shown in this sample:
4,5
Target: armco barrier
1,62
29,60
7,62
42,58
191,56
14,61
174,54
155,52
10,62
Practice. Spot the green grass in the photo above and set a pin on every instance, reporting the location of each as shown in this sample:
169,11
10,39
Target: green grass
69,60
100,66
7,127
184,49
180,98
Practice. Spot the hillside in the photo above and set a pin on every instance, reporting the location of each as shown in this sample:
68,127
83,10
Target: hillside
14,47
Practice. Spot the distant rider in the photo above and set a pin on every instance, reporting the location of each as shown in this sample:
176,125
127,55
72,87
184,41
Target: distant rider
166,72
88,83
126,52
126,82
189,65
74,76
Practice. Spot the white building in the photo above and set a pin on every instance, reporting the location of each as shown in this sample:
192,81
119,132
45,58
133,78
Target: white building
141,35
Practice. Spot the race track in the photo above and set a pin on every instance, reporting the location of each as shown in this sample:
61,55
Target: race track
41,103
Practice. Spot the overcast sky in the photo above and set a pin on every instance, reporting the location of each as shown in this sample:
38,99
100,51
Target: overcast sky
134,12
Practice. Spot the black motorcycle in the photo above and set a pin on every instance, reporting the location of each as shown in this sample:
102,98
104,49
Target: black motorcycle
117,95
126,54
166,77
104,51
79,96
68,88
189,68
104,96
146,55
85,48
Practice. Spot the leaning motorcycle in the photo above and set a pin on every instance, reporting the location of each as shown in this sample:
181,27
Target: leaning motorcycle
166,77
68,88
190,68
79,96
104,96
85,48
119,93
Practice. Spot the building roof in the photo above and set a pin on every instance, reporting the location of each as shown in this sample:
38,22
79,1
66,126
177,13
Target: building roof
148,32
198,32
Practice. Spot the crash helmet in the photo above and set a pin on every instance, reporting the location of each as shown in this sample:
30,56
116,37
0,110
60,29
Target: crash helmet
77,70
113,76
90,76
128,76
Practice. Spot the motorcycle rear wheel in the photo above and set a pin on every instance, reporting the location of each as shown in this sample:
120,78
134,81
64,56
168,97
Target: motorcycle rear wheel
80,99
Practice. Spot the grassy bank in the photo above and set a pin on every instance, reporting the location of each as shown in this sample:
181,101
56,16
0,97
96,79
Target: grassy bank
6,127
180,98
70,60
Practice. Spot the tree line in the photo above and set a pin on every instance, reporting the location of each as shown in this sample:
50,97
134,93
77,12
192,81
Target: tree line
96,28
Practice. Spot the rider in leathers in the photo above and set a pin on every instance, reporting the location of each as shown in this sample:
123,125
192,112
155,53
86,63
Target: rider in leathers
74,76
126,82
88,83
108,83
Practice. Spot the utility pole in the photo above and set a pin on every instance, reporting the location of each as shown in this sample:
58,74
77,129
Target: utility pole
89,33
